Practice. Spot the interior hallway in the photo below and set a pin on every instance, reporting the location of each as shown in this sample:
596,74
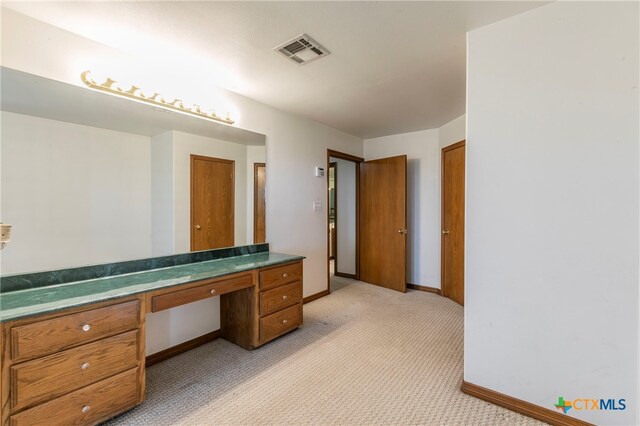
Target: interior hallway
366,355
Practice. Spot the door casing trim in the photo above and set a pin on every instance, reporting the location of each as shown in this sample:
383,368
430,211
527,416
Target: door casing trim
357,160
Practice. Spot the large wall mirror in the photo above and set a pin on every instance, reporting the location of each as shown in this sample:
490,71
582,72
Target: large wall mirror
88,177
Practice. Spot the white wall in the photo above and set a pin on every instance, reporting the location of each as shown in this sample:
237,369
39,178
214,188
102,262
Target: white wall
552,248
162,195
255,154
423,193
452,132
177,325
295,145
346,216
75,195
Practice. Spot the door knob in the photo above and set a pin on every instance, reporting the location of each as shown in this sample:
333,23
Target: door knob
445,232
198,227
402,231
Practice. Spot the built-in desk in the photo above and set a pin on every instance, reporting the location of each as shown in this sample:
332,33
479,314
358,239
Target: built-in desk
73,341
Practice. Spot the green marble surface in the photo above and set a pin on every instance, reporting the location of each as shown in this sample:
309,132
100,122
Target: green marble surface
35,301
24,281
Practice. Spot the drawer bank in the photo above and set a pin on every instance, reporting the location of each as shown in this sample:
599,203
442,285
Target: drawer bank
73,341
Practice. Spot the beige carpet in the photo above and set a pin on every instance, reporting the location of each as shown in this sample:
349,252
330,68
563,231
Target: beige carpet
365,355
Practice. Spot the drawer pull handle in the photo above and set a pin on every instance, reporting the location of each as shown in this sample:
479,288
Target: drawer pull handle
213,291
284,297
86,409
85,366
86,327
284,321
285,275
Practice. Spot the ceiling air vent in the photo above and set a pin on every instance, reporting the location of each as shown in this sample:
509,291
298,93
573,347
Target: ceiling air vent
302,49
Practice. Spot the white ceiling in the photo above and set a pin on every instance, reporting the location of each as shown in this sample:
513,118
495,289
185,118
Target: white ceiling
395,67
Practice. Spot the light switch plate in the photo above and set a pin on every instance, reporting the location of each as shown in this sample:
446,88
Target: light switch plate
319,172
317,206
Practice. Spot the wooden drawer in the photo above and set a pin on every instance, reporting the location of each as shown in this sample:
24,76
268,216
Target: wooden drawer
181,297
281,275
280,297
279,323
45,378
88,405
49,336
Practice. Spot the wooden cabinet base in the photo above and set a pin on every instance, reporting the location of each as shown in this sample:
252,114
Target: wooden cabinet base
89,405
280,323
235,325
205,291
280,298
46,337
54,375
86,364
98,374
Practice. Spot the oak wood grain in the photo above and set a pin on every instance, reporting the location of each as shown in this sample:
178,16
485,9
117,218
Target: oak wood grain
255,332
5,365
100,400
212,203
45,378
280,297
153,293
281,322
277,276
259,203
453,195
383,219
237,317
182,297
142,351
49,336
523,407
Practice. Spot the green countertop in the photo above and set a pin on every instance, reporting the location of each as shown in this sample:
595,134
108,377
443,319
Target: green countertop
35,301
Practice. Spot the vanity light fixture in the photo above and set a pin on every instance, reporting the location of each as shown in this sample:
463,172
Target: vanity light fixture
135,93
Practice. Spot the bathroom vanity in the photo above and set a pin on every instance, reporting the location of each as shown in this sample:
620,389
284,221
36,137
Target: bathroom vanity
73,341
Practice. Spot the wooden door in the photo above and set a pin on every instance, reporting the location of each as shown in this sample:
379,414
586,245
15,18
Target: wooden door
453,190
383,222
259,203
212,203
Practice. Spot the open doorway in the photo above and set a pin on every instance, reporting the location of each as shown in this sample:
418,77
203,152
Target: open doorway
342,219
